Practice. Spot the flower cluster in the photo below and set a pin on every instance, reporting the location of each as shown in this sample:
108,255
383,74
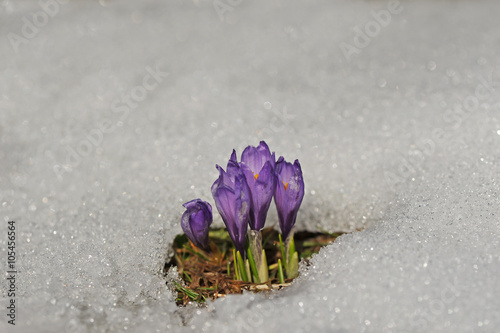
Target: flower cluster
243,194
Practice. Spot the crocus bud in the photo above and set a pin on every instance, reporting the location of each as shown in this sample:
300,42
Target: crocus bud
195,222
257,164
232,199
289,193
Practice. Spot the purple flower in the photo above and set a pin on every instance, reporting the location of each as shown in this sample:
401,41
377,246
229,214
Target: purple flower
232,198
195,222
289,193
257,164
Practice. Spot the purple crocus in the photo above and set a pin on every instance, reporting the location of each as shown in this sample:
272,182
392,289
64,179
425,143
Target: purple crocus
195,222
289,193
257,164
232,198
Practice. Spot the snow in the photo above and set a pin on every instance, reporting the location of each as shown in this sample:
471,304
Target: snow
400,142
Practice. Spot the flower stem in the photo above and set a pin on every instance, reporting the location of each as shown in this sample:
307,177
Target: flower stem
258,256
235,261
292,263
255,273
241,267
281,276
282,248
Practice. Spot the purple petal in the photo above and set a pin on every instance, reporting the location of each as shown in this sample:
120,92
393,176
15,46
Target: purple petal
258,165
186,227
262,191
266,175
199,228
224,179
289,193
285,169
233,156
256,157
242,211
225,203
232,199
196,220
233,169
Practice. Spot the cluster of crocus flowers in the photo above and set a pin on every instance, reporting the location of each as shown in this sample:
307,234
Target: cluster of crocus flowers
243,194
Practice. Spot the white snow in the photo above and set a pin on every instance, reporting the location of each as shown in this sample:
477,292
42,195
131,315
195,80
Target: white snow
401,142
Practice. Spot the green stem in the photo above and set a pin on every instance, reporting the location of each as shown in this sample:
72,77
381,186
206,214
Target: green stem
258,256
235,261
241,267
255,272
281,276
292,264
282,248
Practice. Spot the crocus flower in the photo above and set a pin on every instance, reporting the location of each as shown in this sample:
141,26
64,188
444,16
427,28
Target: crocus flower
195,222
257,164
232,198
289,193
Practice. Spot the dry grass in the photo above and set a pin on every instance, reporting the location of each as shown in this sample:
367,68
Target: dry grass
210,275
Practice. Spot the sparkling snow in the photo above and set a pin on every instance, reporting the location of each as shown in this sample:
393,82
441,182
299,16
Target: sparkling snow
114,113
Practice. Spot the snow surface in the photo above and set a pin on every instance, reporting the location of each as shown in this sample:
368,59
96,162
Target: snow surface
401,141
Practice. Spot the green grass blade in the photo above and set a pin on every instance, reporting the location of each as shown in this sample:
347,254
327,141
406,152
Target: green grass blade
255,272
196,253
263,271
187,276
241,267
247,268
290,247
236,270
293,266
280,272
191,294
